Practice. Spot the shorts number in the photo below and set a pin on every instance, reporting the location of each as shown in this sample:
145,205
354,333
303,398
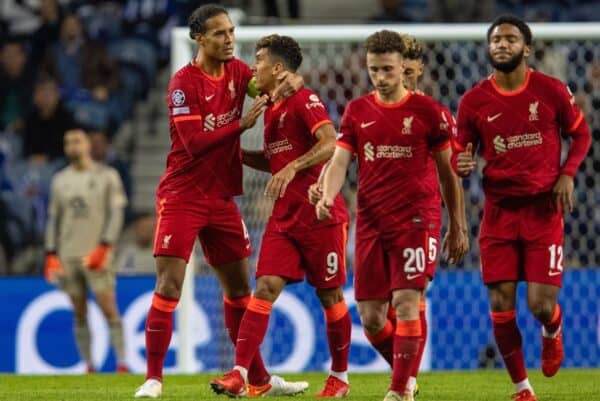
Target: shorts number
332,263
433,244
415,260
556,258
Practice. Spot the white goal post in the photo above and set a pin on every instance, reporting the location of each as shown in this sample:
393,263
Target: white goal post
183,50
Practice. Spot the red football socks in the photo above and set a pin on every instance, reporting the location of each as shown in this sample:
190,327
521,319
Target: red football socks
508,338
253,328
233,310
159,328
384,342
423,318
339,326
406,349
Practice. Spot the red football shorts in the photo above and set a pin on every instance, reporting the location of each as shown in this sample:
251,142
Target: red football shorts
522,241
319,253
399,260
216,222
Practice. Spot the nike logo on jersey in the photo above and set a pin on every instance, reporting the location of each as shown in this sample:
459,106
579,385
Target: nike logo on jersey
412,276
328,278
367,124
554,273
492,118
209,97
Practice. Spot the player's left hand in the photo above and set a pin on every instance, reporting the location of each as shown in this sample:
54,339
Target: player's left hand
289,83
96,260
278,183
455,245
315,192
323,208
563,192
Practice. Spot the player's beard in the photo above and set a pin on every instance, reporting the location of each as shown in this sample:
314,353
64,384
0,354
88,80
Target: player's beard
507,66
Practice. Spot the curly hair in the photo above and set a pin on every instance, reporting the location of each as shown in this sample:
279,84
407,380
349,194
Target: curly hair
514,21
197,20
413,49
385,42
284,48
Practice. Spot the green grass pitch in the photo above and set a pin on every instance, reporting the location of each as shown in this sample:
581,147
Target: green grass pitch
568,384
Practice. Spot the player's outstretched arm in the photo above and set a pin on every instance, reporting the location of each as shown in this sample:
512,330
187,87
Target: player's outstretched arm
322,150
255,159
198,142
456,243
333,181
289,83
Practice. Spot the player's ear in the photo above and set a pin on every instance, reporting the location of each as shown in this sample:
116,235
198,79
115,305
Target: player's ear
526,51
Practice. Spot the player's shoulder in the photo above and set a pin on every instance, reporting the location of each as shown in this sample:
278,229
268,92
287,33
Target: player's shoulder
106,171
478,93
306,98
62,174
545,82
422,100
361,101
181,76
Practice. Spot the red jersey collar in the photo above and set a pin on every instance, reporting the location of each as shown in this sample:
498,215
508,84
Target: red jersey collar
514,92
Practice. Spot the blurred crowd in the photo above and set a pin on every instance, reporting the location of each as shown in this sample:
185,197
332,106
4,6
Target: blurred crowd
67,63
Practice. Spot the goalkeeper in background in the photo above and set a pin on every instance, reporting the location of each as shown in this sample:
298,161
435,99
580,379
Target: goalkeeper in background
85,218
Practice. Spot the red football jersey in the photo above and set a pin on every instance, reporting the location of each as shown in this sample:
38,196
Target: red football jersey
199,103
397,176
518,133
289,133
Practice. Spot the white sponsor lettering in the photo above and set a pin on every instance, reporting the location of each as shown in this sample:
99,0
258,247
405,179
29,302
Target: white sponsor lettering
278,146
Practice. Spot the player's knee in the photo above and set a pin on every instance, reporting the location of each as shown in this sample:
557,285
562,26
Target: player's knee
168,286
266,289
330,297
372,320
542,309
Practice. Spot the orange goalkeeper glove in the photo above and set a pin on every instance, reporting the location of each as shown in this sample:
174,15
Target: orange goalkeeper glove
53,268
96,259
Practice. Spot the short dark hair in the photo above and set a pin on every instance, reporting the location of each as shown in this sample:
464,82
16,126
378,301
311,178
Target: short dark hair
515,21
385,41
283,47
197,20
413,49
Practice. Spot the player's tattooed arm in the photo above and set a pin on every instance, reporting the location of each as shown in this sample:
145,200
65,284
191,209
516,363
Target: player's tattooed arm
455,243
322,150
289,83
255,159
333,181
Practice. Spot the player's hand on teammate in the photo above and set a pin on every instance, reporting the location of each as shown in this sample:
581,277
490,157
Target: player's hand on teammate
256,109
323,208
455,245
53,268
315,192
278,183
96,260
289,83
464,161
563,193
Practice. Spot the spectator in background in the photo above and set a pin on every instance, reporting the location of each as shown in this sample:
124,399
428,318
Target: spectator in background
15,85
103,153
64,58
46,123
48,32
272,9
391,11
461,10
136,255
